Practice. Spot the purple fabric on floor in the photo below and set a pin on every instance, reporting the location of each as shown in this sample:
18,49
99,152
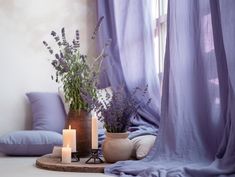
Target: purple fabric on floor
197,129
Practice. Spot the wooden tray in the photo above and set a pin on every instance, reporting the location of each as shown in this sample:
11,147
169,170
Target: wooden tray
49,162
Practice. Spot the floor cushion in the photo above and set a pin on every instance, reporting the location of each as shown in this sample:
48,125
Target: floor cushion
29,143
47,110
142,145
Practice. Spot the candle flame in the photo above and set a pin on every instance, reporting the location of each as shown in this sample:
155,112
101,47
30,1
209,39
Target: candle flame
69,127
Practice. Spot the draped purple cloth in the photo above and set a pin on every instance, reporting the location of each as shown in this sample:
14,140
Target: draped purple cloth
197,129
126,62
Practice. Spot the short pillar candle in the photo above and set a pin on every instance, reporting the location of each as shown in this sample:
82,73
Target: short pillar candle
66,154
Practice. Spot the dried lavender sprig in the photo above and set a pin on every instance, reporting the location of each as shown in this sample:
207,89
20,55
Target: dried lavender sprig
64,41
57,38
101,55
77,36
97,27
47,47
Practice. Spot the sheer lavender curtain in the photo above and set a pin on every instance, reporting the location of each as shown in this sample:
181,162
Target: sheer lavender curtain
197,130
130,59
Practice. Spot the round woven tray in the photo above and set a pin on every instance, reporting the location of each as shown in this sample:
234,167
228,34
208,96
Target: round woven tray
49,162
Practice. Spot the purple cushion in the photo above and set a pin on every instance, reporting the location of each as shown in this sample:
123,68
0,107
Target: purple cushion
29,143
48,111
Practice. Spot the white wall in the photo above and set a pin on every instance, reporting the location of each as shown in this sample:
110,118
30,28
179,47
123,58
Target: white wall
24,64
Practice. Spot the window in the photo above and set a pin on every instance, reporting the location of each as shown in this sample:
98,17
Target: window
159,10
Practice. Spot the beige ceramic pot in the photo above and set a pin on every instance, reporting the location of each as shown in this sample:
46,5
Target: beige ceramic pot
117,147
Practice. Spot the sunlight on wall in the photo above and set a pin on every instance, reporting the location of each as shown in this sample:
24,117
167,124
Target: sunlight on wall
24,60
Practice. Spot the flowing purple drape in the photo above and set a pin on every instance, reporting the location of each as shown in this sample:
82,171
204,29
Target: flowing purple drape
130,57
197,130
196,136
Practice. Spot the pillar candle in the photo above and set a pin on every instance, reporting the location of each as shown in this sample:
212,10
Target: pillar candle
69,138
94,133
66,154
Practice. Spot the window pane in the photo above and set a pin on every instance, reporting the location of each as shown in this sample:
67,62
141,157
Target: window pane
159,11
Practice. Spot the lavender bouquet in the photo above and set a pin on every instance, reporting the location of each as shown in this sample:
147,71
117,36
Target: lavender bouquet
72,69
115,109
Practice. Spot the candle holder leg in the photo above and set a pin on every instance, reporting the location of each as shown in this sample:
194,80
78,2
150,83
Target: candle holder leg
94,159
75,157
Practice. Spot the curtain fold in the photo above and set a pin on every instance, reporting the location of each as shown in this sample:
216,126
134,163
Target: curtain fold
130,57
196,134
226,39
111,73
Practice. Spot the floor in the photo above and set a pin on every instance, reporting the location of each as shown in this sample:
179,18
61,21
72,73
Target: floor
25,167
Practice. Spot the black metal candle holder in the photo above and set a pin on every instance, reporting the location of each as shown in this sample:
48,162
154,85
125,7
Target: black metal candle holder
75,157
95,157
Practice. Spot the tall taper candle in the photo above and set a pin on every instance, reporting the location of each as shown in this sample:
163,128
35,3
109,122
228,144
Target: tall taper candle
94,133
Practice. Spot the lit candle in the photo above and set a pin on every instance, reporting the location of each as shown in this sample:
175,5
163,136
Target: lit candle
69,138
66,154
94,133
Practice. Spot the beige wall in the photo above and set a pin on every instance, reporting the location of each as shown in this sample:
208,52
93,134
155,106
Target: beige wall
24,64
